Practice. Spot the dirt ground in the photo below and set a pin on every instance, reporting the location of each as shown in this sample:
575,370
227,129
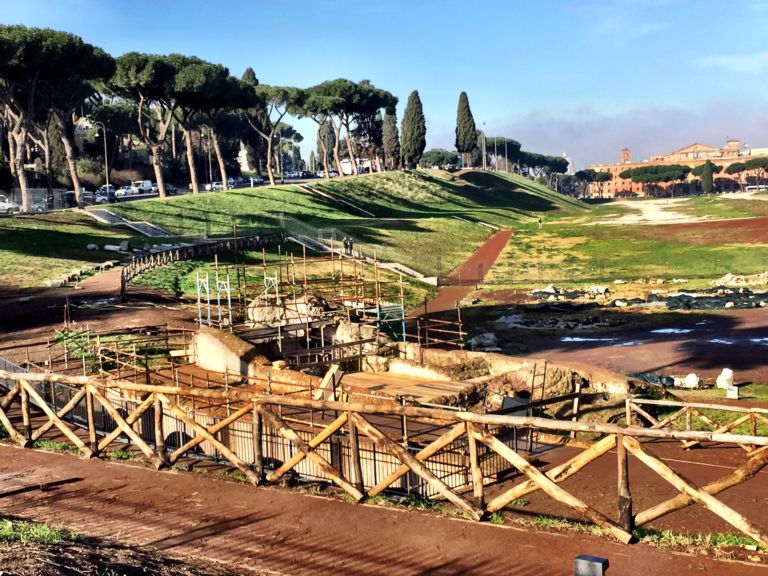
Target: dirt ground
194,516
274,529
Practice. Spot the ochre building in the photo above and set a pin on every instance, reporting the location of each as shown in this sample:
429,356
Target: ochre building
692,155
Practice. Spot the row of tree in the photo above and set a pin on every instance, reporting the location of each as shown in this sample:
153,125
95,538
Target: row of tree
474,148
47,76
658,174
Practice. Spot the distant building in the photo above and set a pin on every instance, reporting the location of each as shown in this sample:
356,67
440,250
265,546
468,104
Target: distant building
692,155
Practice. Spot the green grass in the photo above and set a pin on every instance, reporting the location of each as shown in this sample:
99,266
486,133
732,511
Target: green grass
31,532
722,207
568,253
180,278
694,543
124,455
497,198
426,220
35,249
53,446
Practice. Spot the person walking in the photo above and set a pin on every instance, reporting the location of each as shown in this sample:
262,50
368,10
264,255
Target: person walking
345,242
351,245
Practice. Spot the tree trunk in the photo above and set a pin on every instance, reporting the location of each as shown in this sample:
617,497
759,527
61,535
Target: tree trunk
337,146
350,150
270,173
69,152
187,138
323,146
220,159
154,157
18,159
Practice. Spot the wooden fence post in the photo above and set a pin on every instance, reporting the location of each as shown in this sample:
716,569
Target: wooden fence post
92,439
626,520
159,432
26,432
477,472
354,446
258,454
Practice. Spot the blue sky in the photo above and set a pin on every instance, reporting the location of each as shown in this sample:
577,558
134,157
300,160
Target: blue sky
562,76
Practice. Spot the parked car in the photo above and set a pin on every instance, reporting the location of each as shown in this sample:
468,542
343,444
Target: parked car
171,189
214,186
124,191
8,206
87,197
106,195
106,188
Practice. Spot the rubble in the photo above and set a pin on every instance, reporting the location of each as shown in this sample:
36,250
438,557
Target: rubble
742,280
725,378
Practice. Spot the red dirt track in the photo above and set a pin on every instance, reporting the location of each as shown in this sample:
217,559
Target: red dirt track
276,529
741,230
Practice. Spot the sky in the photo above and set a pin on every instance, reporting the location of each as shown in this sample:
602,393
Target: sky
583,78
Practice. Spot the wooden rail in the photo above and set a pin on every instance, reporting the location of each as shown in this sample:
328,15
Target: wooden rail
479,434
693,410
140,264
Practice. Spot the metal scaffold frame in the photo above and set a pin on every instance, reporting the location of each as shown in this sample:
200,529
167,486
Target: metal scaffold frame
352,288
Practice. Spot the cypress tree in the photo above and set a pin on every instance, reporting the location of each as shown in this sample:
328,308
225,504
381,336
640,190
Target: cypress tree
312,161
413,132
466,131
391,141
706,177
249,77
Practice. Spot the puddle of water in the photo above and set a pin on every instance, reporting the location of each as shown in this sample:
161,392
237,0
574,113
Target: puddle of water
721,341
631,343
672,331
582,339
703,322
763,341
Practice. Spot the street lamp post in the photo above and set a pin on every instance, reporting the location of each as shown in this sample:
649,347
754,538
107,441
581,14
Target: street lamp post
106,163
495,154
484,163
208,149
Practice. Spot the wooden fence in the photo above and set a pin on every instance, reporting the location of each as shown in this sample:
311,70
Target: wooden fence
147,262
481,434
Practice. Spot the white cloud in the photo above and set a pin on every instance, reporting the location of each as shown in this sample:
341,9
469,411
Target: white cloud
624,20
591,136
752,63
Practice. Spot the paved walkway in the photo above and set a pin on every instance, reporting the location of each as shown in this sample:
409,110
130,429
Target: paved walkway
192,515
465,278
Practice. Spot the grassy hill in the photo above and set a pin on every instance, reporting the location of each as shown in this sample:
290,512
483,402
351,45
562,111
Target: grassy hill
427,220
504,200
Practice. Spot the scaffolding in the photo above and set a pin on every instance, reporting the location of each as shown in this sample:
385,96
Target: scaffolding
216,313
290,300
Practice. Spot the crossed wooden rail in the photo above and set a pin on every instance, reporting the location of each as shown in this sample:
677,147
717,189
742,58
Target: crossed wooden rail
359,419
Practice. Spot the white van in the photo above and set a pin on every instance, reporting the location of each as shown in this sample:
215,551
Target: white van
141,186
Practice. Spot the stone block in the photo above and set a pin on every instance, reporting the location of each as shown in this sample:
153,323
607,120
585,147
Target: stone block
585,565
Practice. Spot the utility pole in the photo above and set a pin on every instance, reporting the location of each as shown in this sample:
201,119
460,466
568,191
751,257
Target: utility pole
106,164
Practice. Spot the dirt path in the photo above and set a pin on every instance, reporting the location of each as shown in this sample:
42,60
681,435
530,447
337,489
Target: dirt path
652,212
464,279
194,516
